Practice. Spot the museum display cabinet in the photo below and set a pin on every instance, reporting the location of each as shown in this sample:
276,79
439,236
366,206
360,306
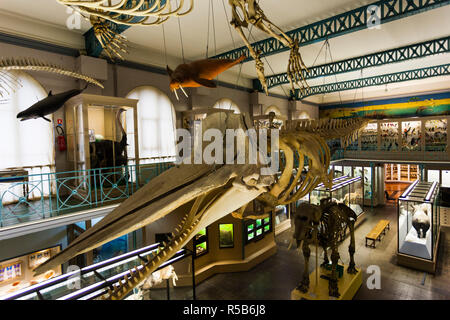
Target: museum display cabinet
424,139
345,189
282,220
369,137
102,142
91,119
419,226
401,172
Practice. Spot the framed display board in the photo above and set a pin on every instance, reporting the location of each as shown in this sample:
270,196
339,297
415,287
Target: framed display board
256,229
17,273
201,243
226,235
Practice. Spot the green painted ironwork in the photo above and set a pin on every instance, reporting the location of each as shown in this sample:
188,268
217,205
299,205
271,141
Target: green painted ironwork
347,22
423,73
52,194
418,50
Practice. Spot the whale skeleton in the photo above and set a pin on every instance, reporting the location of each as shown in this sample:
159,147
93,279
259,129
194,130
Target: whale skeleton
210,192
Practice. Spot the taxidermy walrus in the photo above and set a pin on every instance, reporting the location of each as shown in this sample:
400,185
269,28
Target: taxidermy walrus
48,105
199,73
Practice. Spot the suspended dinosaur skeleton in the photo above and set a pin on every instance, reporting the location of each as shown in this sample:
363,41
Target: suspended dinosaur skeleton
208,193
248,12
9,82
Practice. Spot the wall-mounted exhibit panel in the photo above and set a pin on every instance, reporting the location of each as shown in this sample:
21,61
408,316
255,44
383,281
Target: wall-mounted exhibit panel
419,226
226,235
436,135
369,137
257,229
17,273
389,136
411,136
201,243
421,139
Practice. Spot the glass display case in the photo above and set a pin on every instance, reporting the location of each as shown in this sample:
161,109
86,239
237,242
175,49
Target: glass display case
436,135
368,183
411,136
418,224
369,137
338,171
281,214
389,136
347,171
345,190
98,135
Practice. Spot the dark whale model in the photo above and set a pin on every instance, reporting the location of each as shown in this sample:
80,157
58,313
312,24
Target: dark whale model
48,105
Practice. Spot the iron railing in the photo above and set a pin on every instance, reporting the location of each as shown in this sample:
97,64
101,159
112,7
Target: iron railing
45,195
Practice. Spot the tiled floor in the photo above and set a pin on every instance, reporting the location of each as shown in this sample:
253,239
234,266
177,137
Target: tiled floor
278,275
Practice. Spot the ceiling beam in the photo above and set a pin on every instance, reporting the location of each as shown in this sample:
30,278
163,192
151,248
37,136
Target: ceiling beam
417,74
347,22
414,51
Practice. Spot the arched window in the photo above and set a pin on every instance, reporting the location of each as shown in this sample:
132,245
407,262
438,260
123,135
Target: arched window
227,104
273,109
24,143
304,115
156,123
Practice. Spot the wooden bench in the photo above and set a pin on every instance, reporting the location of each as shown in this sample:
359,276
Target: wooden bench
377,232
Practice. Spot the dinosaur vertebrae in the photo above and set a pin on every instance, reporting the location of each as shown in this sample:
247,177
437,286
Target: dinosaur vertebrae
32,64
131,12
289,187
329,129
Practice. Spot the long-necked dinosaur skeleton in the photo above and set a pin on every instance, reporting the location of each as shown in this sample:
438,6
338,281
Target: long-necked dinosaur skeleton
9,83
210,192
248,12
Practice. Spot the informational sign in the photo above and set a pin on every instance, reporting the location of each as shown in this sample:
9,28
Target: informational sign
17,273
10,271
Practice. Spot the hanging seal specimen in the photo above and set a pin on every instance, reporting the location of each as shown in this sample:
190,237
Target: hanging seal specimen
48,105
199,73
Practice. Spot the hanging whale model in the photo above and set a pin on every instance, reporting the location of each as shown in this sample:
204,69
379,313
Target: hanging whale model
48,105
199,73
